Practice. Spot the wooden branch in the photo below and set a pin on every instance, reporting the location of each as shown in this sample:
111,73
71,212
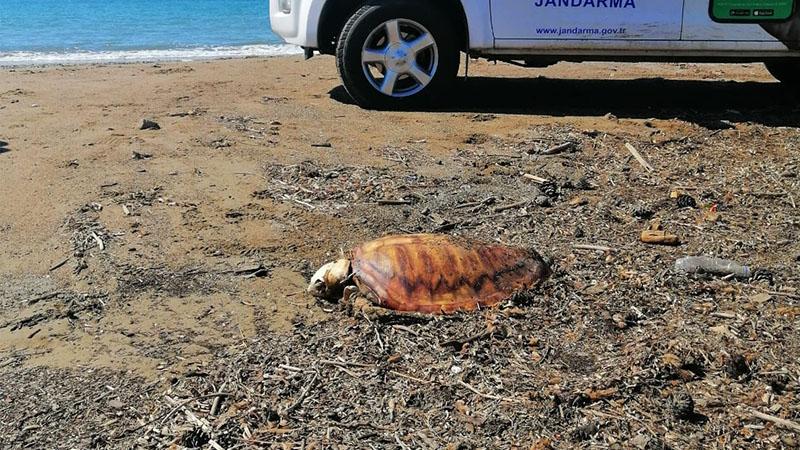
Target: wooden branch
511,206
601,248
458,343
163,418
60,264
409,377
639,157
303,394
534,178
489,396
783,294
559,148
788,424
394,202
98,241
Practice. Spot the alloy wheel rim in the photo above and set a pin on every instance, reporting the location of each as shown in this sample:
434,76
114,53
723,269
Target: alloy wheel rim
400,58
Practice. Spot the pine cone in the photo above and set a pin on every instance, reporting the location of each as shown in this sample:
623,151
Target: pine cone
643,212
763,275
549,189
682,405
686,201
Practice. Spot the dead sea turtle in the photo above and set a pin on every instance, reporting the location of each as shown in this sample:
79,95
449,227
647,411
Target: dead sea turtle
429,273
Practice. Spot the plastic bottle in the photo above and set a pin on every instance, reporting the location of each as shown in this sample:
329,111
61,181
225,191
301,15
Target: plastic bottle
716,266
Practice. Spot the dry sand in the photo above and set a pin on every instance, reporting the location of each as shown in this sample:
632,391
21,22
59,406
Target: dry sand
211,225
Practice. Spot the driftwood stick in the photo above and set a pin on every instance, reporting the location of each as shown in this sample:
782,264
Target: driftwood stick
331,362
639,157
511,206
788,424
534,178
217,403
303,394
409,377
394,202
783,294
489,396
99,241
601,248
61,263
40,298
559,148
458,343
163,418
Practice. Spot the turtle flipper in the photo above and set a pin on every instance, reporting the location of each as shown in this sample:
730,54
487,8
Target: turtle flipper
359,305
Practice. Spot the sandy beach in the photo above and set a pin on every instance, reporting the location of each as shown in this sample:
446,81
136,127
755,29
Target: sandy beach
144,268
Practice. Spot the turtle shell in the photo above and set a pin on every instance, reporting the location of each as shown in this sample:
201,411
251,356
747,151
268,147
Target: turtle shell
438,274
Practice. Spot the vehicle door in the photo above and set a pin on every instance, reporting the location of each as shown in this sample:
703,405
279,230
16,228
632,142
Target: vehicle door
760,22
608,23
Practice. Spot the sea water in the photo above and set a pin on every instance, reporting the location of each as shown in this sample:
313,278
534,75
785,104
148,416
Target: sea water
78,31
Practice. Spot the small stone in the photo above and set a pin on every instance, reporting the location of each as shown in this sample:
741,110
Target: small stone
140,156
148,124
579,201
580,183
761,298
619,321
585,432
543,201
640,441
483,117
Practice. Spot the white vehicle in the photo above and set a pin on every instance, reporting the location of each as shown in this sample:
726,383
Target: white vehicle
398,53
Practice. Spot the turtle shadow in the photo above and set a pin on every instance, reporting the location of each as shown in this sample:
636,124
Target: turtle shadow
702,102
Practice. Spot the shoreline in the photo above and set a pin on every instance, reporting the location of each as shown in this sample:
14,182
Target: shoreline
39,59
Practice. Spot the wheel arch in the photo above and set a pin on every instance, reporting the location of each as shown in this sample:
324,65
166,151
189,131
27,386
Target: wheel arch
335,14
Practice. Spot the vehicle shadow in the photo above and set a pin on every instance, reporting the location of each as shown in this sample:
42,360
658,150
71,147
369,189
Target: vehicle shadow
698,101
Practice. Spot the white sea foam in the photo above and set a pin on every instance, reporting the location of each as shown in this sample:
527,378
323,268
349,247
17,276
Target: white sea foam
187,54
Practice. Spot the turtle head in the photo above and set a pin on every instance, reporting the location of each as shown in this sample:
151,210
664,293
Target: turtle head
330,279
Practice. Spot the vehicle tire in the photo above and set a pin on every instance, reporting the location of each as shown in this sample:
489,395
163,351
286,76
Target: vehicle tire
787,72
398,55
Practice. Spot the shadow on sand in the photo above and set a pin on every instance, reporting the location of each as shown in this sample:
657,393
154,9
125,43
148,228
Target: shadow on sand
4,147
702,102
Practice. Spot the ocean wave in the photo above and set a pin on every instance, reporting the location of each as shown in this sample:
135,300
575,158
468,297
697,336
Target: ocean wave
183,54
